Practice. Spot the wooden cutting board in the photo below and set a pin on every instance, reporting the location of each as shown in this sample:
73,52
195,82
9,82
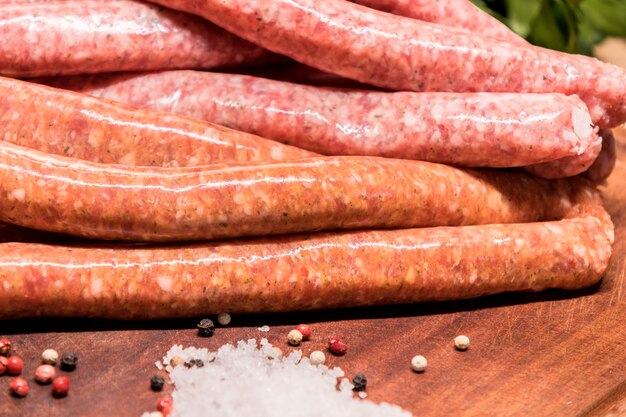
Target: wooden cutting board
555,353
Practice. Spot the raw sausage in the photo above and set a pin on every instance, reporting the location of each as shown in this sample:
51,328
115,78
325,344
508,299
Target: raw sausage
455,13
604,164
90,36
55,193
76,125
569,165
403,54
302,272
465,129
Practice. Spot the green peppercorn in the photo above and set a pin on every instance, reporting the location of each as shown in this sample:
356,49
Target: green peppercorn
156,383
206,328
360,382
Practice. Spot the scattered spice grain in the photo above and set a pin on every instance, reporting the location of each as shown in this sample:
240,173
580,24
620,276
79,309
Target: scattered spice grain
60,386
69,361
19,387
44,374
461,342
5,347
317,357
157,382
419,363
50,357
15,364
223,319
305,329
337,347
206,328
294,337
360,382
3,364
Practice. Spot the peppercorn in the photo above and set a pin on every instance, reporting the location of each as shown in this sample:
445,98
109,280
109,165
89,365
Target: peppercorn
206,328
338,347
60,386
50,357
294,337
15,364
194,362
305,329
5,347
176,361
165,404
19,387
277,353
69,361
419,363
360,382
223,319
317,357
461,342
44,374
3,364
157,382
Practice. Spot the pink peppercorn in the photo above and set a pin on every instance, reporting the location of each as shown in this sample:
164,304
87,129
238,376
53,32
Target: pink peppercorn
3,364
305,329
5,347
60,386
332,340
45,374
15,364
165,404
337,347
19,386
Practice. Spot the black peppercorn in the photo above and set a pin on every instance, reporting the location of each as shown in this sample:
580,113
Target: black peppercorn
206,327
156,383
194,362
360,382
68,361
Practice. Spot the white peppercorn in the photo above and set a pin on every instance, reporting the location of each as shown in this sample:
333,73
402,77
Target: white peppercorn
223,319
461,342
419,363
50,357
294,337
317,357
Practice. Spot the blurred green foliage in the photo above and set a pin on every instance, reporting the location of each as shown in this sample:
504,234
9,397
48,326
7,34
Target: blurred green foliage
573,26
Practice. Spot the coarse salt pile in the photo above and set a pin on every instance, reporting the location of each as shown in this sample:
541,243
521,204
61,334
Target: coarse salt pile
248,380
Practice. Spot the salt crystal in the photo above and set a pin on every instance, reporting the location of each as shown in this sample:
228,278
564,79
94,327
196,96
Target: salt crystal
242,381
362,394
264,329
158,365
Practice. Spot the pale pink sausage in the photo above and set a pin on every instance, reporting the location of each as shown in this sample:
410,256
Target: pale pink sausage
114,202
462,14
404,54
465,129
91,36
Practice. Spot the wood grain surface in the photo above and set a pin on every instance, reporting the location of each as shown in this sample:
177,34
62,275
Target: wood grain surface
554,353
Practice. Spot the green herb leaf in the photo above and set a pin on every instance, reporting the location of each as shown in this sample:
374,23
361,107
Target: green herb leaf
522,14
608,16
546,31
